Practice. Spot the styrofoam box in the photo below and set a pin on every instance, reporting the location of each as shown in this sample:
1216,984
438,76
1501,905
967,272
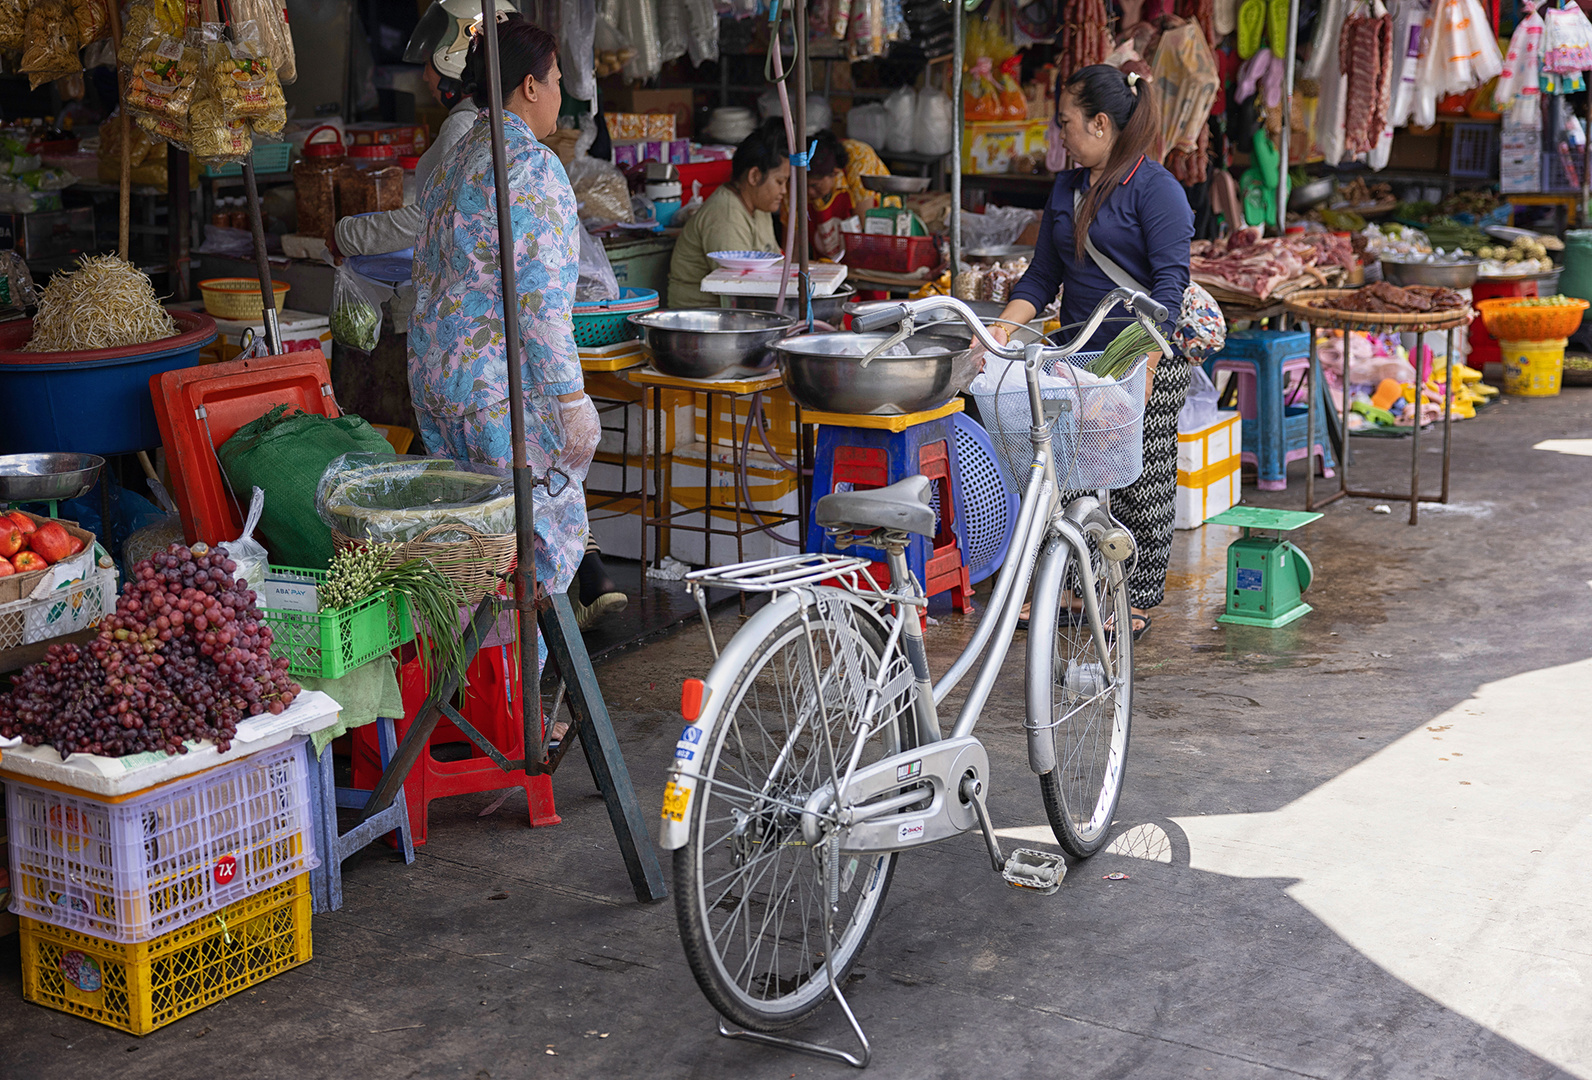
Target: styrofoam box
294,326
1197,450
133,869
1210,495
68,609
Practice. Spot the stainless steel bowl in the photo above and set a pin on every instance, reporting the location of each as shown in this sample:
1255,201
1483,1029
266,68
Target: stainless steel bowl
1305,196
47,477
1002,253
1461,275
896,185
827,309
825,372
707,342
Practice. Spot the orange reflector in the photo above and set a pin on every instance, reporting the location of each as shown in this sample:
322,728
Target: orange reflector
692,694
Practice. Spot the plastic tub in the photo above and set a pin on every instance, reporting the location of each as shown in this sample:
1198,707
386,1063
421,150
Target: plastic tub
1533,368
94,401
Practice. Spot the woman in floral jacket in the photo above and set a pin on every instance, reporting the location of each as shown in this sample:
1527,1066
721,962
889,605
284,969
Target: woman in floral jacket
458,358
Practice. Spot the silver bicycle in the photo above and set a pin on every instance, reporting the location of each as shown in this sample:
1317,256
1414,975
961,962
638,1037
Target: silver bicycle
814,750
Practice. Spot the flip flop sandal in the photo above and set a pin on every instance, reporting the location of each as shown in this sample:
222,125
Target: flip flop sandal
1140,632
1277,27
1271,81
1250,73
1251,27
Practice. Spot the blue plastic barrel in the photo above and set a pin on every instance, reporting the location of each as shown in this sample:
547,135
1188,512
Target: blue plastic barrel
91,402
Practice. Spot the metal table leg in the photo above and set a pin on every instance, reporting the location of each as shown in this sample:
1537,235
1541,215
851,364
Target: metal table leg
1415,431
1448,414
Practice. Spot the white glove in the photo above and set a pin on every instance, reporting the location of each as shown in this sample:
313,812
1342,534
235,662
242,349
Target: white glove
582,430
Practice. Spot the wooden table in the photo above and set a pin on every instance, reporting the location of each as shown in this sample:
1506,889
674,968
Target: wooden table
1347,321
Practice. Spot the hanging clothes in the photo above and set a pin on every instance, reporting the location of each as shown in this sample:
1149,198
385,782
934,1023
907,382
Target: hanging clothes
1519,91
1186,73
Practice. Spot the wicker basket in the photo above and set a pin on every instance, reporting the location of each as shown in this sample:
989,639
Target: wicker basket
477,564
238,298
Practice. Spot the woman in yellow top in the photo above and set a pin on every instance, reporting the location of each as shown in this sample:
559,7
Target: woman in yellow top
736,217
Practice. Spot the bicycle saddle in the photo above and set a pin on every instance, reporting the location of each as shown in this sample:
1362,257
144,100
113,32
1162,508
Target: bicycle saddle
903,505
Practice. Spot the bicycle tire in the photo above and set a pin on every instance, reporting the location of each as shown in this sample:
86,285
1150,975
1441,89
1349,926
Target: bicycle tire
1090,717
764,990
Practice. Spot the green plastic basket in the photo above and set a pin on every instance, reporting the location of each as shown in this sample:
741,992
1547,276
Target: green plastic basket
268,158
604,322
330,644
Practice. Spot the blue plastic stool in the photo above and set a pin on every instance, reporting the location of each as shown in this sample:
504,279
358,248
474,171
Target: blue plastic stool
326,880
866,458
1274,430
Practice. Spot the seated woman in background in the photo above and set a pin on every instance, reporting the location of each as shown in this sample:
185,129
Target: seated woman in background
736,217
829,200
861,160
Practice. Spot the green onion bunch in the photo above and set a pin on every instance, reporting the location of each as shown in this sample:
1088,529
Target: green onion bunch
1123,352
434,598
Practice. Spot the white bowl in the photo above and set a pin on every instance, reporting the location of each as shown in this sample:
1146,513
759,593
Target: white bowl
746,260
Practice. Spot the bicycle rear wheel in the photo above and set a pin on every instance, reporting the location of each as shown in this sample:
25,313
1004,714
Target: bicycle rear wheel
750,892
1083,695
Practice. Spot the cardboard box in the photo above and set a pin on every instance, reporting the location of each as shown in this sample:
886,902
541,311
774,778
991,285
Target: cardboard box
407,139
677,102
666,151
631,127
37,583
1417,151
992,146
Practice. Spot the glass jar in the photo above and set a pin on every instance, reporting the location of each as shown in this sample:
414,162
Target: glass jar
315,185
370,180
409,164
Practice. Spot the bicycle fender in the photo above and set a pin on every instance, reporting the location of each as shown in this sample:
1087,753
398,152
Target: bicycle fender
1043,613
680,784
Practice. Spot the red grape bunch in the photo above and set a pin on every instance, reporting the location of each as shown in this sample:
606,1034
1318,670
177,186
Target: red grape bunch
183,657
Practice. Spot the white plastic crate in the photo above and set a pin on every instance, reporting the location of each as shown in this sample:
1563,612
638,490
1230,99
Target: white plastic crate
75,607
134,869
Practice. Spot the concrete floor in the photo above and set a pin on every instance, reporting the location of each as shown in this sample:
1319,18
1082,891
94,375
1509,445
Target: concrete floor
1356,847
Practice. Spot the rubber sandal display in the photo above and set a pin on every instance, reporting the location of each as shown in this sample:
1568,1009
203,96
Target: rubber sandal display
1277,27
1251,27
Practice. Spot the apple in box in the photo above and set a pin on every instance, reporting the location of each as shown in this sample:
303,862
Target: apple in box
51,542
28,561
6,569
44,543
22,521
10,538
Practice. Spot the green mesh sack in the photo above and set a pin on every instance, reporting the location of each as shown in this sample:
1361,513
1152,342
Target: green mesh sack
285,456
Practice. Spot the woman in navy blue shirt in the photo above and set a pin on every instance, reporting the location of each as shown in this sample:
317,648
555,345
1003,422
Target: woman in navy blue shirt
1138,217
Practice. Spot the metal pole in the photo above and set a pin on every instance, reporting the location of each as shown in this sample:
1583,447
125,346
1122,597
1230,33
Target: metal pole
958,47
798,174
124,200
524,577
1287,118
273,334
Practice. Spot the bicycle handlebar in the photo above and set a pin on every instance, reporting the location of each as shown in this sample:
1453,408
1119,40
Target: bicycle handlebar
878,315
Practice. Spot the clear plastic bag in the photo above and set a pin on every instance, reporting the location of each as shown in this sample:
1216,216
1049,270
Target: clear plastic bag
13,24
611,50
356,309
93,20
638,21
601,192
933,123
162,83
901,107
246,551
577,46
1199,407
671,30
50,43
869,124
396,499
597,280
276,40
702,31
16,284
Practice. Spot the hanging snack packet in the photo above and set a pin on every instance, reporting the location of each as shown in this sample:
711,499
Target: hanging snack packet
211,136
13,24
276,41
93,20
237,75
162,83
49,49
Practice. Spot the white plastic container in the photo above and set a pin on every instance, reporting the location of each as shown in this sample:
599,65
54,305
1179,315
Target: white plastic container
134,868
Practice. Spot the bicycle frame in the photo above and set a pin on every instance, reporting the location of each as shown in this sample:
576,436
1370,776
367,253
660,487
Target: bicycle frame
799,581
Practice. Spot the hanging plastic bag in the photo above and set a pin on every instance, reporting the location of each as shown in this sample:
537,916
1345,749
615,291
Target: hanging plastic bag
161,86
93,20
238,74
1199,407
934,124
597,280
276,40
246,551
13,24
49,50
611,50
980,98
902,108
601,191
671,30
16,284
638,21
702,31
579,27
356,309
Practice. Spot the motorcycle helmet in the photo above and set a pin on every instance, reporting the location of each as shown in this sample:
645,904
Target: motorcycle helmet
443,37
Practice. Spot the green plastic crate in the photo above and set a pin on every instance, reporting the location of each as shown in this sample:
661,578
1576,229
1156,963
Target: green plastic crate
269,160
330,644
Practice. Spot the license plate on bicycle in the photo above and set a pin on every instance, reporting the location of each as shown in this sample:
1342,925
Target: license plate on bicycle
675,801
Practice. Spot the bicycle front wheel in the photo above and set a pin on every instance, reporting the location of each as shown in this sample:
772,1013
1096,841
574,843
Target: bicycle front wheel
750,891
1081,689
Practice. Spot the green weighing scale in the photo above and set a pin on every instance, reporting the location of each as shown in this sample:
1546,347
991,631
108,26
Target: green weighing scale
1266,576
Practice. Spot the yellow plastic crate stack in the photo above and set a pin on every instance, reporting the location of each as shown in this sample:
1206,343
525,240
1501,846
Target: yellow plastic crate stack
1208,472
141,987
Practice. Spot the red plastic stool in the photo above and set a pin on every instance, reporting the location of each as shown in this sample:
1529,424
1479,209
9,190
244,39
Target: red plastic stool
492,706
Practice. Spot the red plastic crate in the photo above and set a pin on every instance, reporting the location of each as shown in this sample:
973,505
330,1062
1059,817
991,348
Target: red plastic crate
891,254
710,174
200,408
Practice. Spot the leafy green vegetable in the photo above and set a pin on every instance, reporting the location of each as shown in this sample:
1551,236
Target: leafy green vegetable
356,324
1123,352
434,598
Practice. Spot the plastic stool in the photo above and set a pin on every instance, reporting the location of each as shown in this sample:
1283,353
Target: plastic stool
1274,430
867,458
326,880
492,706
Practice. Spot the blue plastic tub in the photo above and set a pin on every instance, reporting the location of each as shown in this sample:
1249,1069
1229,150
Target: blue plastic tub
90,402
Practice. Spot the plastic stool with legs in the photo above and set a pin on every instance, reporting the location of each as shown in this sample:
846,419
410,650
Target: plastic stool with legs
326,880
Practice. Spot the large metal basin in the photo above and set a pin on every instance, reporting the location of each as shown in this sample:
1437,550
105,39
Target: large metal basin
708,342
825,372
47,477
1455,275
829,309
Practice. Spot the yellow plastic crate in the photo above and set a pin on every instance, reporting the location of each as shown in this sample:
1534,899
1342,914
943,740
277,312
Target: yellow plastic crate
139,988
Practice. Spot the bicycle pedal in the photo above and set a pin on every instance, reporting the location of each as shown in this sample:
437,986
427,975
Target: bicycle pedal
1116,544
1040,871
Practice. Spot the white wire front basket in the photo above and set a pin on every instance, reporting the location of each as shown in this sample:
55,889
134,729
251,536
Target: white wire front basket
1097,438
